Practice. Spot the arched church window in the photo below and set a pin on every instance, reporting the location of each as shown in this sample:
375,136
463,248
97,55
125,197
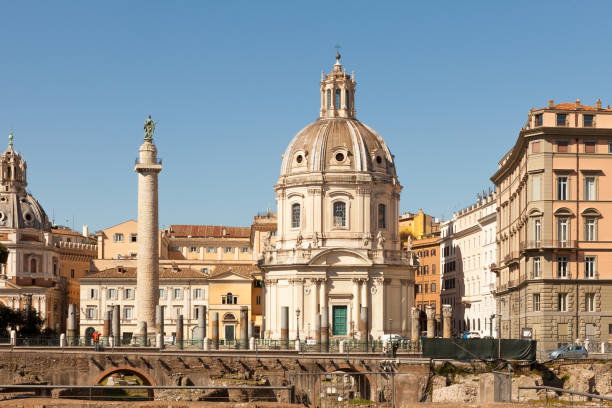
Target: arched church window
329,99
339,214
382,216
295,216
347,100
337,99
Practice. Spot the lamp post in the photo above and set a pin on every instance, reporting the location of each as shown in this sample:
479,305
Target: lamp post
297,327
353,329
390,325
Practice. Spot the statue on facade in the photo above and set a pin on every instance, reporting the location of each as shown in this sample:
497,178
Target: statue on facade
380,239
267,239
366,240
149,127
409,243
315,240
299,239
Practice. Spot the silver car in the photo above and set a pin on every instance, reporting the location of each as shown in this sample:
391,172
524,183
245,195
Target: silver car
569,351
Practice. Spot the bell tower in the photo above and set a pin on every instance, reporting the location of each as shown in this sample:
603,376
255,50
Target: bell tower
12,170
338,93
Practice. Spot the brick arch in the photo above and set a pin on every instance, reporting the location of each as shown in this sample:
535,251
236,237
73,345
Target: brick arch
368,385
126,368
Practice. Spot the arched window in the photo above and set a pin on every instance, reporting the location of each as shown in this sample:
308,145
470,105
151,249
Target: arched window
329,99
347,100
339,214
382,216
295,216
337,99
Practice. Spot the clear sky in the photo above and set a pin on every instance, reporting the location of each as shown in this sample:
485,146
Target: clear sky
448,85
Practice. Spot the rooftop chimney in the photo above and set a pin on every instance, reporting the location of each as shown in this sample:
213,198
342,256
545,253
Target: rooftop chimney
85,230
598,104
551,103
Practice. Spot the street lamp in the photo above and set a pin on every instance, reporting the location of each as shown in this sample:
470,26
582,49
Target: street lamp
390,325
353,329
297,328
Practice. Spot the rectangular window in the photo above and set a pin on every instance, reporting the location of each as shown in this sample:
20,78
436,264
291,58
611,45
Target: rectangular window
563,231
590,267
426,287
538,119
426,270
177,293
433,252
562,146
433,269
162,294
295,216
590,229
128,313
112,294
537,267
92,293
562,267
561,119
229,250
177,312
197,293
118,238
589,302
562,302
535,147
193,249
562,188
589,188
609,328
609,147
133,237
433,287
129,293
418,288
244,250
258,300
536,302
587,121
537,230
535,187
589,147
71,273
90,313
210,250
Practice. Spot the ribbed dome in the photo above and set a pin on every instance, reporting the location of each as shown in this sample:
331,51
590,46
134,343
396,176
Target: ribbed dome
337,145
21,210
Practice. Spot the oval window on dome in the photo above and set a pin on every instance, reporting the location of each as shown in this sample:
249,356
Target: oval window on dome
28,217
339,157
378,159
299,158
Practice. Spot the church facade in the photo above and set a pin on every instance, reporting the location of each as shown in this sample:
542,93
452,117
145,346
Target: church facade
337,249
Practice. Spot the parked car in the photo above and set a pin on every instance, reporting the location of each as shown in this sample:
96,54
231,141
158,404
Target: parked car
391,337
471,335
569,351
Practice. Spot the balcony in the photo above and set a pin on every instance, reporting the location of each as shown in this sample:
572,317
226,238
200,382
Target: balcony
546,244
511,257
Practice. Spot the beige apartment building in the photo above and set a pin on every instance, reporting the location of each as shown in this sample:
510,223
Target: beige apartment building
554,212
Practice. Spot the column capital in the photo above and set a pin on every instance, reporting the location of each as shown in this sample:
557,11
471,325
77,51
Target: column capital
431,312
447,311
270,281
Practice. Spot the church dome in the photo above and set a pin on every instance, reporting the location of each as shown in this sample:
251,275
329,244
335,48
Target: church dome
337,144
18,209
337,141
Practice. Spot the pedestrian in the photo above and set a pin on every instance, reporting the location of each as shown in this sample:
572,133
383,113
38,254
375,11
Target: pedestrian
395,347
96,340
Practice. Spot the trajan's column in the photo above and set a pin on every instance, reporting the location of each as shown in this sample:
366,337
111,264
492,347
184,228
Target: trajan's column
147,265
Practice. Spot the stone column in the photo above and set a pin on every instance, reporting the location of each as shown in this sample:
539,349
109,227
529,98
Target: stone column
323,293
365,293
300,305
355,312
318,330
116,325
314,302
71,325
244,327
142,333
159,324
214,332
179,332
251,329
415,315
447,314
200,331
324,330
107,324
147,264
403,301
431,321
363,327
284,331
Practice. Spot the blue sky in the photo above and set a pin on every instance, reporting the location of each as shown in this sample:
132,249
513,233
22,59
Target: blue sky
447,84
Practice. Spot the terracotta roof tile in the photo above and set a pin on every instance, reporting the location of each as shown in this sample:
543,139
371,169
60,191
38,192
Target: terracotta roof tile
179,273
570,106
209,231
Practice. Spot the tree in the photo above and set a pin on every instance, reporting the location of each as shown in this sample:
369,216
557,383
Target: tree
27,322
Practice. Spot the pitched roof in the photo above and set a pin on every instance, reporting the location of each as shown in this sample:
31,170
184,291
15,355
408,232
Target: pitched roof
175,273
209,231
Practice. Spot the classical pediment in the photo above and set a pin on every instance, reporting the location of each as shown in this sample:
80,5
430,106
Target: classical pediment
339,257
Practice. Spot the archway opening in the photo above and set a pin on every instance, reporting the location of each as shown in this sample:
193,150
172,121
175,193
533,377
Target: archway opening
89,336
122,376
